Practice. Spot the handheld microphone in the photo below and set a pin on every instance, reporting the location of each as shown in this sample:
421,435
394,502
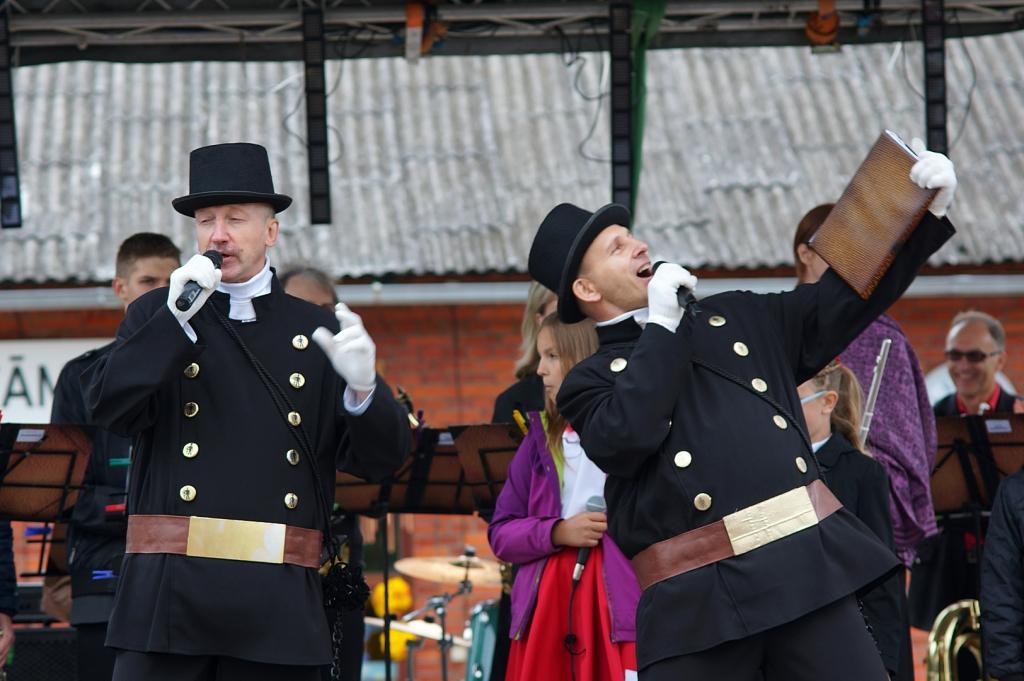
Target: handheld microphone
192,290
594,504
684,295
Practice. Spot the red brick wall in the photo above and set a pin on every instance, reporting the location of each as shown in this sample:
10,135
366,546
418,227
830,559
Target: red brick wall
453,361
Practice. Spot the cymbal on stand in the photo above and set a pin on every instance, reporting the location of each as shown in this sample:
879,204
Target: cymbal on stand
418,628
451,569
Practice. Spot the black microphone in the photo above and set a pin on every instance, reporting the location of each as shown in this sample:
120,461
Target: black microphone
594,504
192,290
684,295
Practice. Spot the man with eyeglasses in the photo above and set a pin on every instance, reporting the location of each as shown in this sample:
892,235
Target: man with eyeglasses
975,353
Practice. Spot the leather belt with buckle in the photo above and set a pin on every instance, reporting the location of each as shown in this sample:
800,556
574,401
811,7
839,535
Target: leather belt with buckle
223,538
737,533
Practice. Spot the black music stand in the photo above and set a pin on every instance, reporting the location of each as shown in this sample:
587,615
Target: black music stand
975,453
485,452
41,471
452,471
430,481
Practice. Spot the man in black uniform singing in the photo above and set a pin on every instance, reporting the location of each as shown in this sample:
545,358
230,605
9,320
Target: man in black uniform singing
96,534
747,561
233,465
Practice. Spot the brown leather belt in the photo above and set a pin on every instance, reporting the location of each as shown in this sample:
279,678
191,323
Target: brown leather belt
736,533
224,538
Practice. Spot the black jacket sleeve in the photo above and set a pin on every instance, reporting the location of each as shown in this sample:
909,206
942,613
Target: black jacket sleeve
623,418
68,401
149,351
8,580
819,320
377,441
1002,583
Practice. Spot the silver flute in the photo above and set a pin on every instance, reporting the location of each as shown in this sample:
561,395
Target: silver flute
876,381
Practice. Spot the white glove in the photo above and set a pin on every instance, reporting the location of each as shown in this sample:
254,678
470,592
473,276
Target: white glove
662,296
351,350
199,269
934,171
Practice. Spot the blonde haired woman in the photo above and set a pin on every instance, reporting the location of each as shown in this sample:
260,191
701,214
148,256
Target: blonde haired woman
527,393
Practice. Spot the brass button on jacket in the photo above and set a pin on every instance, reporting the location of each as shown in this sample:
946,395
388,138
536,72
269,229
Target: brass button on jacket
190,450
740,349
192,370
191,409
294,418
292,456
300,342
780,421
759,385
618,364
801,465
702,501
717,320
683,459
297,380
187,493
291,500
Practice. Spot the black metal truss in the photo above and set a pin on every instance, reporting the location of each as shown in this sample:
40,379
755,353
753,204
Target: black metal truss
175,30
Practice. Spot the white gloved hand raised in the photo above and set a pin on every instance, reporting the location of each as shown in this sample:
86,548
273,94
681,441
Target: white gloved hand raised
199,269
934,171
662,295
351,350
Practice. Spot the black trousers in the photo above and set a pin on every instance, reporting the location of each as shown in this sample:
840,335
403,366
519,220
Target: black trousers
831,643
95,660
134,666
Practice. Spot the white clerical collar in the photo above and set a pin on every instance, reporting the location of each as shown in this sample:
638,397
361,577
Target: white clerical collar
242,293
815,446
639,316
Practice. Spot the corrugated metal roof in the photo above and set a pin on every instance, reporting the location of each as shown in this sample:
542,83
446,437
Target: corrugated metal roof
447,166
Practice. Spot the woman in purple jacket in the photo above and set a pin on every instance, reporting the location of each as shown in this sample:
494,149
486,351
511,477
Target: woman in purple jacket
544,516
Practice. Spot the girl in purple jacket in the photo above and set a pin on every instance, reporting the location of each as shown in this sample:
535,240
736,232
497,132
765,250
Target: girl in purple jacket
541,522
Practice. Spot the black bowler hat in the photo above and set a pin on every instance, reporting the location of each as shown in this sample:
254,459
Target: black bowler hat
559,245
229,173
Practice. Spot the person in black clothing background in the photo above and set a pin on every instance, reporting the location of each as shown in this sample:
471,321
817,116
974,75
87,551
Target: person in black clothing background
314,286
831,404
97,530
8,590
947,568
1002,583
527,393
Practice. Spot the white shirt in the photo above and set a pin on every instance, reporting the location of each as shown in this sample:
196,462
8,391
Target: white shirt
639,315
815,446
581,478
241,295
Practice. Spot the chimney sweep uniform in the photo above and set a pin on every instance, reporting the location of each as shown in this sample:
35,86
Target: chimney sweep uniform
224,540
746,559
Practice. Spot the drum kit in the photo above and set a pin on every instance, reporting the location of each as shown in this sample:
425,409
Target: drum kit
428,623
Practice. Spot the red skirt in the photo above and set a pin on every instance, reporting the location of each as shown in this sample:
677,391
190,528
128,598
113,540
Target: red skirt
541,654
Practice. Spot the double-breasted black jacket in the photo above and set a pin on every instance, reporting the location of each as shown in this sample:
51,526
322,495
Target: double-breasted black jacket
655,411
201,418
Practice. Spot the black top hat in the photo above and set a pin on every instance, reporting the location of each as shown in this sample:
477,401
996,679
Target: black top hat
229,173
559,245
